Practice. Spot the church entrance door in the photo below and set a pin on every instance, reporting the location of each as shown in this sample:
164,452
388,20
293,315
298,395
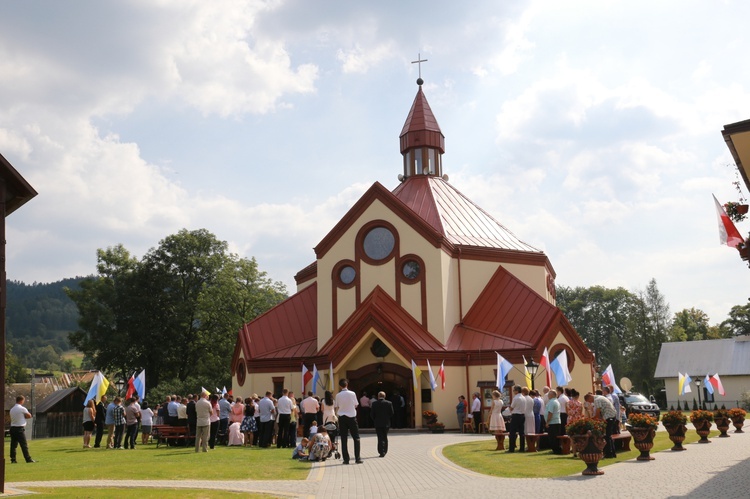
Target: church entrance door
395,381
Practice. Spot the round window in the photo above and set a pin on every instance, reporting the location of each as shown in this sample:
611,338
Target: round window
411,269
379,243
347,274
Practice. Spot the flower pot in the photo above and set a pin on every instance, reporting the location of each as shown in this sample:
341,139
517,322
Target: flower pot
741,208
589,449
738,422
677,436
722,424
703,428
643,439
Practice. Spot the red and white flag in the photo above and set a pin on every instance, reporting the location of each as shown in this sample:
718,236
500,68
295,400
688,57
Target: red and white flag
306,377
728,233
545,363
716,382
441,375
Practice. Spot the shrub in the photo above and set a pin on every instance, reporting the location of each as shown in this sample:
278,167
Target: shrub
582,426
699,415
673,418
642,421
737,412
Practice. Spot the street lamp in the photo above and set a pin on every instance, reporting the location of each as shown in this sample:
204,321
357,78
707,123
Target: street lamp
698,384
532,367
120,384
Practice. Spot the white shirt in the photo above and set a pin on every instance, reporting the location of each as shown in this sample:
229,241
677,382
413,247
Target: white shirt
147,417
346,402
284,405
518,406
18,415
476,405
563,399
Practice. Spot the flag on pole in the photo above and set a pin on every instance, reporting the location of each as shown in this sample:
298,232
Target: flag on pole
526,373
559,366
98,388
306,377
131,387
683,383
716,382
140,384
707,384
203,390
503,368
224,391
441,375
544,362
415,374
330,377
608,379
433,384
315,379
728,233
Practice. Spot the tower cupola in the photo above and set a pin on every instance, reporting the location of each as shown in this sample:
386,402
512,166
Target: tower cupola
422,142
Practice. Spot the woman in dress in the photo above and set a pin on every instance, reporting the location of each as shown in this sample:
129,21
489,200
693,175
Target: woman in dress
497,422
249,426
575,408
214,420
461,411
147,422
89,415
237,413
529,426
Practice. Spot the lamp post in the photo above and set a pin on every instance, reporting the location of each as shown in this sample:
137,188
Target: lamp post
532,367
120,384
698,384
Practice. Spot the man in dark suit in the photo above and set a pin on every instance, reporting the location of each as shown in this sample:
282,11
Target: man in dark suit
192,415
101,410
381,413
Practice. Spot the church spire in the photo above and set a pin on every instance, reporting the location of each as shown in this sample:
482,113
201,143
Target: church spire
422,142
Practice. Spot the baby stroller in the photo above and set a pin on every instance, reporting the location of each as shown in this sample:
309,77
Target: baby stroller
333,431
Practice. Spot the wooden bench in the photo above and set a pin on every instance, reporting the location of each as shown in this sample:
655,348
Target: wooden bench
622,441
532,439
564,444
171,434
501,442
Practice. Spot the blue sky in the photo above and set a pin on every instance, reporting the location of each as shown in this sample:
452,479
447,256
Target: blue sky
590,129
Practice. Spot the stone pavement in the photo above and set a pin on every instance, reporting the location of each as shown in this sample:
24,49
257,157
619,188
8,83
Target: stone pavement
414,468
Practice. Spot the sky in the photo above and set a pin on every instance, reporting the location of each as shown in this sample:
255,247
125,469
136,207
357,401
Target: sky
591,129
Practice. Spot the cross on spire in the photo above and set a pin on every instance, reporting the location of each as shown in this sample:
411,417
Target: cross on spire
419,62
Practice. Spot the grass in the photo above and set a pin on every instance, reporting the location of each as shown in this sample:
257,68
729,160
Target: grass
86,493
481,457
65,459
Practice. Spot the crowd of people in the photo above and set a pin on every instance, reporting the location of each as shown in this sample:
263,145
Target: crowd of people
531,412
213,419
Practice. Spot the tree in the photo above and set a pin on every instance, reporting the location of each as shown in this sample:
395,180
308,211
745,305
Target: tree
689,325
738,323
15,371
647,329
175,313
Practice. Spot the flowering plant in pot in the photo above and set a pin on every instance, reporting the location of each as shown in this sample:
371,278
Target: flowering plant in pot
643,427
597,427
674,422
587,438
736,211
721,418
702,422
737,416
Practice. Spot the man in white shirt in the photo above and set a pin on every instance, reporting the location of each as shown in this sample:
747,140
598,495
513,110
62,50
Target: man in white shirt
517,419
18,416
346,405
563,400
202,422
284,407
310,407
476,410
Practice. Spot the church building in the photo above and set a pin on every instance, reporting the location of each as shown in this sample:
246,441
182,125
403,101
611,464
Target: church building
416,274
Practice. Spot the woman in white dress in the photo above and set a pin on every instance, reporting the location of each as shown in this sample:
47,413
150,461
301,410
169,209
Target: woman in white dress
530,423
497,423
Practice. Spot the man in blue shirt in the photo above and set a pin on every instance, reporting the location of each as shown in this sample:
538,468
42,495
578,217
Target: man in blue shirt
225,408
172,410
109,420
553,422
267,416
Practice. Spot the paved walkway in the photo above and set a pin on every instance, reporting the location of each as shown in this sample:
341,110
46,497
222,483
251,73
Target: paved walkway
415,468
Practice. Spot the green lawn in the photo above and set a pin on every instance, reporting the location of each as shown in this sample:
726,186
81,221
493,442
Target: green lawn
65,459
481,457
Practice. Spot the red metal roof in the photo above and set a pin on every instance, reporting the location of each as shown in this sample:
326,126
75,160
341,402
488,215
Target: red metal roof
507,315
455,216
290,329
391,321
421,129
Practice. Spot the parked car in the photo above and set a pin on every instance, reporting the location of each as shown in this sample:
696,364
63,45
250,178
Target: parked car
637,403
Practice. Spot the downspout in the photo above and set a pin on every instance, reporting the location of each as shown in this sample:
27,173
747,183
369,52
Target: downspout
460,304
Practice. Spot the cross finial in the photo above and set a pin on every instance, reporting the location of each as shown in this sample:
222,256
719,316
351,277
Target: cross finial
419,62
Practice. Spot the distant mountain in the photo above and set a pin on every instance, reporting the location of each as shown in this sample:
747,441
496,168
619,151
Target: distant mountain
39,316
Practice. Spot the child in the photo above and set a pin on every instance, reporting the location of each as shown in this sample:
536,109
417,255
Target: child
313,428
300,452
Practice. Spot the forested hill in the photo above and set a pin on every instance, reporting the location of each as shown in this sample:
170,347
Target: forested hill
39,318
